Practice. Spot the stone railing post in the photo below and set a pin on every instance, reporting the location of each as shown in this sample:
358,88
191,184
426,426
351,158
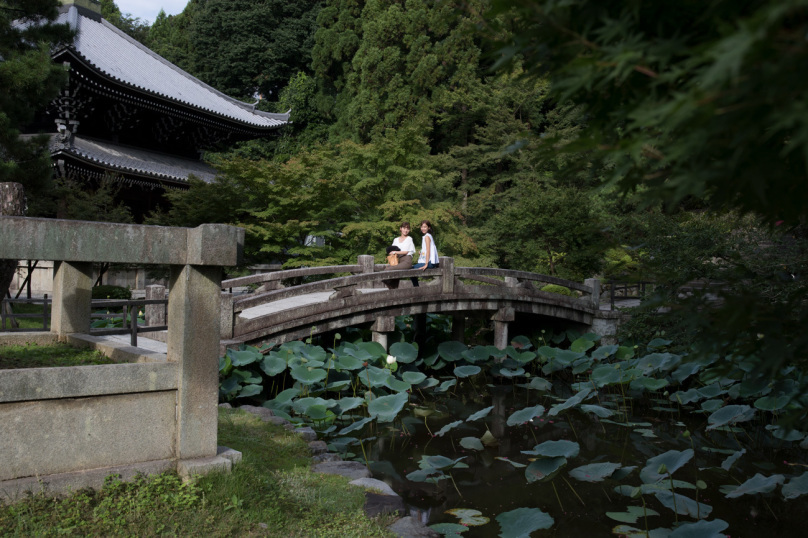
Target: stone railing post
594,283
72,294
366,263
380,328
447,274
155,313
226,316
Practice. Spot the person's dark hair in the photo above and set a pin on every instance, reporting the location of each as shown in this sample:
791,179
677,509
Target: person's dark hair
405,224
392,248
428,224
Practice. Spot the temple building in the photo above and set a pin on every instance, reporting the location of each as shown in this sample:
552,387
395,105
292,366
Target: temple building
129,114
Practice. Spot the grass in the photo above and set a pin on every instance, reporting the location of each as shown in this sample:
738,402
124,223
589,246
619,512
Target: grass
271,492
28,323
57,354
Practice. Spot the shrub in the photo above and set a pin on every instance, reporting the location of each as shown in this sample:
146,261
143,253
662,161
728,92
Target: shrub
111,292
562,290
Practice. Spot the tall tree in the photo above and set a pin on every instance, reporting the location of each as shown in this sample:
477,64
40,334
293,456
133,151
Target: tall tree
29,80
136,28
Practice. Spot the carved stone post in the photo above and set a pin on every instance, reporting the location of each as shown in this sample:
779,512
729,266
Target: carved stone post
72,294
501,319
594,283
447,275
155,313
381,327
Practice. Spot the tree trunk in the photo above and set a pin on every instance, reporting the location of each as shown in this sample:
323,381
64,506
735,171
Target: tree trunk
12,203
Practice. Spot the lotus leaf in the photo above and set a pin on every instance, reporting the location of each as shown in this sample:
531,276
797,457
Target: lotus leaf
540,383
521,342
429,382
570,402
319,412
784,434
313,353
346,404
467,371
522,358
467,516
648,383
683,505
338,385
373,376
700,529
582,365
685,370
301,406
658,343
711,391
594,472
796,486
686,397
547,352
397,385
286,396
581,345
514,463
623,472
496,353
488,439
385,408
451,351
273,364
507,372
374,349
730,461
348,362
476,354
404,352
307,375
632,514
544,469
423,475
773,402
602,412
249,390
448,427
730,415
624,531
524,415
441,463
552,449
449,530
606,375
710,406
230,385
358,425
351,350
757,484
446,385
658,362
413,378
431,360
523,521
471,443
244,357
624,353
292,347
673,460
480,414
604,351
646,433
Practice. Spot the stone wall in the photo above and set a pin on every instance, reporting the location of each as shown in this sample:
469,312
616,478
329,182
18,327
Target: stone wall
70,427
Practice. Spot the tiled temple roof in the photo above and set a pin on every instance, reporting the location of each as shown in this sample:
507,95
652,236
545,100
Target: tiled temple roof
116,55
132,161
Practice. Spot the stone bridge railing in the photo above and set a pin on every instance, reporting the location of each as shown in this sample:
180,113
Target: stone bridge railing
350,295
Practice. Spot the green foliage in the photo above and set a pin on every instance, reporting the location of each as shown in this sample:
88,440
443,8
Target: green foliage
561,290
133,26
29,81
106,291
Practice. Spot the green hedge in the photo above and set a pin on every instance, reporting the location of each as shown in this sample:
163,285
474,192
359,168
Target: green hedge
111,292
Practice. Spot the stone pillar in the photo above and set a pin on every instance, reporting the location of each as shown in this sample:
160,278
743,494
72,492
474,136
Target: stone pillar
447,274
155,313
72,285
226,316
594,283
193,341
501,319
459,327
366,263
381,327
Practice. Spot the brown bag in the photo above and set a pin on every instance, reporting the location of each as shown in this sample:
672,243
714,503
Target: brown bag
392,259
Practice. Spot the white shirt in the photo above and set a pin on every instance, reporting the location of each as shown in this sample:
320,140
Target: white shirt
406,246
433,250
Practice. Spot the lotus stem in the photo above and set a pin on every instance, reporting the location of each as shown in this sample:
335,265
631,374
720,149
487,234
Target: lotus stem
645,515
557,497
573,490
673,492
427,427
364,455
455,485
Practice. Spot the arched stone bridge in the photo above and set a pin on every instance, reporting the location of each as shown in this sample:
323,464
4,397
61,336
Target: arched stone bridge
278,314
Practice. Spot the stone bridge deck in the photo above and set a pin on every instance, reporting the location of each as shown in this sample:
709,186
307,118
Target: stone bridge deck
278,314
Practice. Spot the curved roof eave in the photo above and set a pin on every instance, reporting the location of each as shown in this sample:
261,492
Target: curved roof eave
110,52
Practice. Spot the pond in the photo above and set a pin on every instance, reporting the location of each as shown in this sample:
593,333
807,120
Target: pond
545,441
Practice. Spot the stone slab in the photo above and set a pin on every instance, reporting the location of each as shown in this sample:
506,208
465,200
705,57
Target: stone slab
382,488
187,469
409,527
30,384
350,469
228,453
60,436
66,483
118,348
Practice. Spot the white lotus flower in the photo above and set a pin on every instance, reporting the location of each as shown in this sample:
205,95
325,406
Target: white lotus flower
391,359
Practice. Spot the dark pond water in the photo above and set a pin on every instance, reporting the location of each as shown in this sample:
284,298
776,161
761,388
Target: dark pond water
648,428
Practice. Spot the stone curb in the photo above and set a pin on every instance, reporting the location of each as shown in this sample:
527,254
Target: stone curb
379,496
